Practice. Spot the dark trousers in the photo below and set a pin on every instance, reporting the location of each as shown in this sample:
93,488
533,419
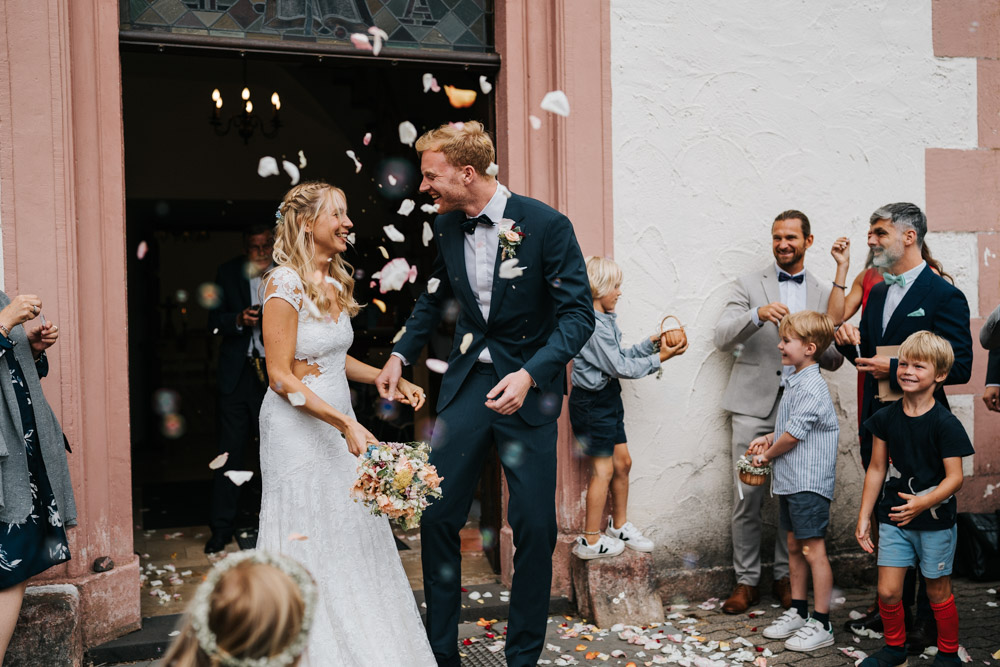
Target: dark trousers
466,431
238,414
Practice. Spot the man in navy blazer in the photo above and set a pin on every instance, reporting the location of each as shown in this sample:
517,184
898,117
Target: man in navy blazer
912,298
242,376
517,329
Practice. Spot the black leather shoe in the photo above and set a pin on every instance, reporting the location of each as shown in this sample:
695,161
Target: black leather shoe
870,622
923,634
217,543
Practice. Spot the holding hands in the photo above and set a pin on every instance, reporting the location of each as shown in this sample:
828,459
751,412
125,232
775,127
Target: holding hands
757,451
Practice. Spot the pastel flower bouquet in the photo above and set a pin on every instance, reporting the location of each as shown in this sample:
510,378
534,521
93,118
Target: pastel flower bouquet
395,480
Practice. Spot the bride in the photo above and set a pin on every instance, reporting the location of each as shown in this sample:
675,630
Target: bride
309,441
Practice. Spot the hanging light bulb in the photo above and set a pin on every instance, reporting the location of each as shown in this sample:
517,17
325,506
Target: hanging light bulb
249,106
246,93
276,101
218,102
216,95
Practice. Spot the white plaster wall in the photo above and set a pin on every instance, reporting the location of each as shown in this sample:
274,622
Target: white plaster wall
725,114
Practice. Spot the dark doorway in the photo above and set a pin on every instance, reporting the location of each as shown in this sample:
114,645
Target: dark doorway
189,195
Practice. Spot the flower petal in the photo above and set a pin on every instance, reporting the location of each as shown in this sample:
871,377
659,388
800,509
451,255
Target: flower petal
509,269
432,285
429,208
267,166
393,234
360,41
436,366
296,398
219,461
392,179
535,121
357,163
428,81
297,537
493,169
428,234
380,37
291,170
379,304
460,98
485,85
406,206
143,248
399,334
466,342
385,253
407,133
556,102
302,160
368,138
239,477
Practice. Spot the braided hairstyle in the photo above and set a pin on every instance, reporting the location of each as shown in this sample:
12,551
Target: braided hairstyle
293,245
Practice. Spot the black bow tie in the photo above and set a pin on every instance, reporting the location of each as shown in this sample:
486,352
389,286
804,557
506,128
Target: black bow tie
784,277
469,224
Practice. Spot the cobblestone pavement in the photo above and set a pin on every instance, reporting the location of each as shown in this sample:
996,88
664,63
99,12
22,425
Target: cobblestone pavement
978,621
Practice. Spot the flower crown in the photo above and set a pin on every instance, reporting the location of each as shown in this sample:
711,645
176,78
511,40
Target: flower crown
202,602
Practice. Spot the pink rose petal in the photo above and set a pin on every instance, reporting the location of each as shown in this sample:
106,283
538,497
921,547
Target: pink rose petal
437,366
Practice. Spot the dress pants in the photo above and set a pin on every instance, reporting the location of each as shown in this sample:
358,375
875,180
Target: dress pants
747,519
466,431
238,415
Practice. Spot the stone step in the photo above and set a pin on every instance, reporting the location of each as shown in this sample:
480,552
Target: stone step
619,589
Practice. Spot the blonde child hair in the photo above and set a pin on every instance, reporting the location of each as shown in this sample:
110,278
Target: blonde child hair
930,348
293,245
809,327
468,144
604,276
253,608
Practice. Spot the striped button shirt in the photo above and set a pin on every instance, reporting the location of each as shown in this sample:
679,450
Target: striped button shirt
806,413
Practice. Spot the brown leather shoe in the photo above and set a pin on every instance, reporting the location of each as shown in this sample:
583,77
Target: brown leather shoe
782,590
742,598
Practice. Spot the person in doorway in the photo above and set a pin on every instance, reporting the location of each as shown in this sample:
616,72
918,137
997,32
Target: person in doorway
519,325
748,327
911,298
36,497
598,417
242,374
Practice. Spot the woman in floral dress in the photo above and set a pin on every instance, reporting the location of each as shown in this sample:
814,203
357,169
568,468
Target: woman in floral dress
36,499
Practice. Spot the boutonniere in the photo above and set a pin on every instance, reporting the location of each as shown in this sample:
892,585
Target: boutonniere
510,238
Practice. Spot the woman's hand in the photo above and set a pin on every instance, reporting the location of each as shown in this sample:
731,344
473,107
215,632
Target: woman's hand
841,250
358,438
21,308
410,394
42,338
666,351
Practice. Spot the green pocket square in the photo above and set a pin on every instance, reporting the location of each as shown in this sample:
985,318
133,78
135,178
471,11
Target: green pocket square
919,312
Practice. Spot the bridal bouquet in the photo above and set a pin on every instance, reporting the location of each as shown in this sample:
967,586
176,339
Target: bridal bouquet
395,479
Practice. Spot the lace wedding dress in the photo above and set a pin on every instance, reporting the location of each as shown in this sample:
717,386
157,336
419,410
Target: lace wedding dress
366,614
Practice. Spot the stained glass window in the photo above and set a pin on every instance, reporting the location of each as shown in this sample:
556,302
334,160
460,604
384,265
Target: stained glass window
455,25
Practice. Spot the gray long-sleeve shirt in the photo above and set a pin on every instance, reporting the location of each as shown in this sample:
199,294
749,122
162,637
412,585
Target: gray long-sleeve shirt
602,357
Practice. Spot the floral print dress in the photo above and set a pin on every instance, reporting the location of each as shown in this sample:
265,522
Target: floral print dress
40,542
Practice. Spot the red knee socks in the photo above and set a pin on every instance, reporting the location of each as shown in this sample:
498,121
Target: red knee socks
946,615
893,625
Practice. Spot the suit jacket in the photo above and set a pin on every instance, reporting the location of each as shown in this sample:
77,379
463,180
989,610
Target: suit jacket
931,304
235,288
993,368
538,321
989,335
756,375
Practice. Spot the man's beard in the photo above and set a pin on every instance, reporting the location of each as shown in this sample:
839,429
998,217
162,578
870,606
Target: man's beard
795,259
888,256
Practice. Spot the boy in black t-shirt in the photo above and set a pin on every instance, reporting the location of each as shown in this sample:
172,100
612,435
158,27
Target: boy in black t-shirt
915,471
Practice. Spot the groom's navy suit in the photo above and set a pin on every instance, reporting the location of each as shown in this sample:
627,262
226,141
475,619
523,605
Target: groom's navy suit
537,321
931,304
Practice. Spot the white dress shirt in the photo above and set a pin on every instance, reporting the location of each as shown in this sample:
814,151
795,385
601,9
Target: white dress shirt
895,293
481,247
793,295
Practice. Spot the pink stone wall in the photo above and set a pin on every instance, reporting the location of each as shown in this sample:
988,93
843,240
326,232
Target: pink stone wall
963,195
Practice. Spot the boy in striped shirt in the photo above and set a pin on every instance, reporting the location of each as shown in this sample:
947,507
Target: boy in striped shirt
803,454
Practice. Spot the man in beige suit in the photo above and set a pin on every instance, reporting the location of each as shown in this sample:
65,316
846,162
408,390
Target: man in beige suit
748,329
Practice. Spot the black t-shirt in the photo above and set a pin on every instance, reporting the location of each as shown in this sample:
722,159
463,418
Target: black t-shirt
917,449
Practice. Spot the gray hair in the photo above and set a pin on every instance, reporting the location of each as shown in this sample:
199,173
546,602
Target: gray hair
903,216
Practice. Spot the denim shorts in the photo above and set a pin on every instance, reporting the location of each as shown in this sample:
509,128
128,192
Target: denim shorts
598,418
933,549
804,514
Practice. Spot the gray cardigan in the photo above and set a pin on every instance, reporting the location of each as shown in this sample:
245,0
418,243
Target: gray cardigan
15,495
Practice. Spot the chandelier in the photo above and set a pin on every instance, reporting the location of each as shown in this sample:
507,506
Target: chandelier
245,121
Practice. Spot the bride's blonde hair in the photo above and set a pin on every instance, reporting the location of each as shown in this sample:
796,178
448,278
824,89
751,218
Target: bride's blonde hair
294,248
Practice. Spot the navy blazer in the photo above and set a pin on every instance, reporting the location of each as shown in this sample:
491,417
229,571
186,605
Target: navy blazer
538,321
945,312
993,367
235,297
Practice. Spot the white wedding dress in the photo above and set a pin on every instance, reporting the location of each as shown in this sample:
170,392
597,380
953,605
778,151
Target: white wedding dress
366,614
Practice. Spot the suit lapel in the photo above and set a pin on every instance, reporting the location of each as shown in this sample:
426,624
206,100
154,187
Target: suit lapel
769,281
453,248
814,294
512,211
911,301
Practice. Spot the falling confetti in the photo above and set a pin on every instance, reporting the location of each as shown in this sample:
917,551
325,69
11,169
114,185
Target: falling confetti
141,251
392,180
350,239
296,398
407,133
379,304
556,102
406,207
433,284
535,121
430,83
368,138
297,537
493,169
436,366
333,281
302,160
267,166
460,98
429,208
385,253
393,234
357,162
485,85
395,274
399,334
510,270
466,342
379,35
219,461
239,477
428,234
360,41
291,170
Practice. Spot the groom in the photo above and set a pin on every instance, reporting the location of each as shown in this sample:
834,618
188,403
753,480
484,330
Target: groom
506,389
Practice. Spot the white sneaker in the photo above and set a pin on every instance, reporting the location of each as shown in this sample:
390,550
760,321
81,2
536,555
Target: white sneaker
785,626
810,637
630,535
604,547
